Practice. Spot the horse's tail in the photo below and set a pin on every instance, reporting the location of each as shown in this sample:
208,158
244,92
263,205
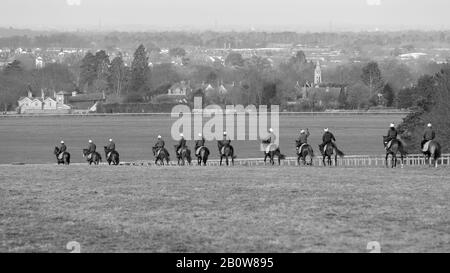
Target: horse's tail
402,148
438,152
339,153
311,150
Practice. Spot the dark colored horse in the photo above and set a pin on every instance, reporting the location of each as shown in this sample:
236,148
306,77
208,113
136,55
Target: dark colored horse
327,152
161,154
183,156
96,158
203,155
272,155
226,152
305,152
396,147
65,158
434,153
113,157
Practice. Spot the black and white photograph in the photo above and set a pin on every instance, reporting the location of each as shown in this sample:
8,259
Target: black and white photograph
242,129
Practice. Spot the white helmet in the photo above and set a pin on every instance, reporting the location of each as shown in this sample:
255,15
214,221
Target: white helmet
181,135
302,131
200,135
430,125
159,137
392,125
326,129
62,141
90,141
271,130
224,133
110,140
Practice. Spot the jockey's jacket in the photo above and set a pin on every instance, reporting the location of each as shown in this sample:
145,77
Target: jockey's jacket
328,137
200,143
181,143
429,134
303,138
392,134
111,146
160,144
92,148
226,141
271,138
62,148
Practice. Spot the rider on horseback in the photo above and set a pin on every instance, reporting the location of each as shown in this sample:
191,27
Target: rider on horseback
327,138
302,139
428,135
226,142
269,141
111,147
199,144
181,144
62,149
160,143
91,149
391,135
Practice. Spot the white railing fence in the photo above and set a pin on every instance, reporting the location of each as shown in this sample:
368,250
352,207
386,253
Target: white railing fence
347,161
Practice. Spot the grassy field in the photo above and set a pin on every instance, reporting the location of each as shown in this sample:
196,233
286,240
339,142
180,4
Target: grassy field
237,209
31,140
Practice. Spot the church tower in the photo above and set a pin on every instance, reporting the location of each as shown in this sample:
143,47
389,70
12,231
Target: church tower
317,75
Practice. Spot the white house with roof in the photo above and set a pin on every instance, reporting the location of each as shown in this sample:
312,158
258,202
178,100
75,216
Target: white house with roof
42,105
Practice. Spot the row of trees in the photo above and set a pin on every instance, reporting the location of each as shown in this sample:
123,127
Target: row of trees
431,103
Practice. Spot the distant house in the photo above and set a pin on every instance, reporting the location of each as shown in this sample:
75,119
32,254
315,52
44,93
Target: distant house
61,102
35,105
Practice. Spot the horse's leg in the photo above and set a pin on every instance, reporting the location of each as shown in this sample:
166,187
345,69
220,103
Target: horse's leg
221,159
387,157
265,158
228,163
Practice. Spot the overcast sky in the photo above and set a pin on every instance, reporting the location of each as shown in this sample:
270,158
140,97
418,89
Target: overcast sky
210,14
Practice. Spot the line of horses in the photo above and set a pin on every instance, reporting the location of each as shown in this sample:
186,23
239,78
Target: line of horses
305,155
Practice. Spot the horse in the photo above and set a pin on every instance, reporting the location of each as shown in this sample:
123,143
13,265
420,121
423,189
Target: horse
96,158
433,153
303,152
112,157
202,156
161,154
227,152
65,157
272,155
183,156
327,152
396,147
